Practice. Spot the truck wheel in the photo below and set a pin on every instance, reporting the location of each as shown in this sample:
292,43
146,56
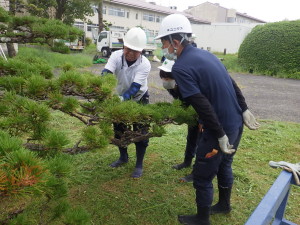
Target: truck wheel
105,52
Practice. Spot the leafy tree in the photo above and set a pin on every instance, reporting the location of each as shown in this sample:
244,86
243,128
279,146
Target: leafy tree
64,10
30,29
272,48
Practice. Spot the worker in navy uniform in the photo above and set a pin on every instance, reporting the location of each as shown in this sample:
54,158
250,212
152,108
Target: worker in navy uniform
193,130
205,84
131,69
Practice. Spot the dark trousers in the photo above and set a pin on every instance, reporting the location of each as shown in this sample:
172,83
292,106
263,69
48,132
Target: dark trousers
207,166
191,142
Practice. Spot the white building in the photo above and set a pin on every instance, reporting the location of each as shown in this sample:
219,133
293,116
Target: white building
215,13
124,14
222,37
216,27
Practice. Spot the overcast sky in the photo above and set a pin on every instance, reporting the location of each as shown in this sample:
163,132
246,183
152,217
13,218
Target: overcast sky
267,10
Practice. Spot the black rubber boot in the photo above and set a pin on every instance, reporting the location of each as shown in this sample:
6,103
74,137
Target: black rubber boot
187,163
140,153
201,218
223,206
117,163
137,173
122,160
187,178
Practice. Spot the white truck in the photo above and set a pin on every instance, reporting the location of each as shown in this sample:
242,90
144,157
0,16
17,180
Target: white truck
76,45
109,41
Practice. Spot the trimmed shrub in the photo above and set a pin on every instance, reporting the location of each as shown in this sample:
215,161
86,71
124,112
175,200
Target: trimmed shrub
272,48
60,47
88,41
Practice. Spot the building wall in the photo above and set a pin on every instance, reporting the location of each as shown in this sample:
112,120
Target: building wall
219,36
216,37
218,14
132,17
207,11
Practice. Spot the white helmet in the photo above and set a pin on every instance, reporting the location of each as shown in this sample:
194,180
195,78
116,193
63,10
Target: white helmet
135,39
167,65
174,23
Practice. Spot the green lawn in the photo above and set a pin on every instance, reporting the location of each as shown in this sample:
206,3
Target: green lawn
54,59
109,196
99,194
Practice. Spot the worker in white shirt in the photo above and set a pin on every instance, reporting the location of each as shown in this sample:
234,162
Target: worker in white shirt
131,69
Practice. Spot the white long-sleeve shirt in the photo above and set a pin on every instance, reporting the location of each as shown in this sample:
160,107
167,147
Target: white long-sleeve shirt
137,72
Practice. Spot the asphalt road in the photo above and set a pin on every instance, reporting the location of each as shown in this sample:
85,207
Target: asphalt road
267,97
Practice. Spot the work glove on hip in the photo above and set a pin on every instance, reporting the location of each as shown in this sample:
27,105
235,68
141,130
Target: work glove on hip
225,146
250,121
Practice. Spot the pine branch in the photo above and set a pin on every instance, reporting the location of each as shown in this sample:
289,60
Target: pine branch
75,150
35,147
166,121
92,120
86,122
90,109
70,90
129,137
81,118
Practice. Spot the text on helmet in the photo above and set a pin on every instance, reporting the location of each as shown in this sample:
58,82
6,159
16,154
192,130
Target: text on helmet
175,29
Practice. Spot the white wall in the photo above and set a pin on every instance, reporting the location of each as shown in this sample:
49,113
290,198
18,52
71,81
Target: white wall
220,36
125,22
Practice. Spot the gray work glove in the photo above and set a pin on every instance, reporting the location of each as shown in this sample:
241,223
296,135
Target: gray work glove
225,146
250,121
292,168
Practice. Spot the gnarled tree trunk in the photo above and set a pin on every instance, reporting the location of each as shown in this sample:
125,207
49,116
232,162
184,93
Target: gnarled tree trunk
11,50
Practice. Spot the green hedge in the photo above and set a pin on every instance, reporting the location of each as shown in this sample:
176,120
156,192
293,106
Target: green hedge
272,49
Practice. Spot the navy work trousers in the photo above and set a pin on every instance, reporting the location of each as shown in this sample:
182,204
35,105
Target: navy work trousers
211,162
191,141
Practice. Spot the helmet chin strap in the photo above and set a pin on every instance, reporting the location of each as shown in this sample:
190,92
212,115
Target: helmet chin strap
172,43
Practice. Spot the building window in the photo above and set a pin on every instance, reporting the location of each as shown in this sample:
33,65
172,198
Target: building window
117,27
90,26
79,25
104,10
94,7
127,14
148,17
149,33
116,12
158,19
137,16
